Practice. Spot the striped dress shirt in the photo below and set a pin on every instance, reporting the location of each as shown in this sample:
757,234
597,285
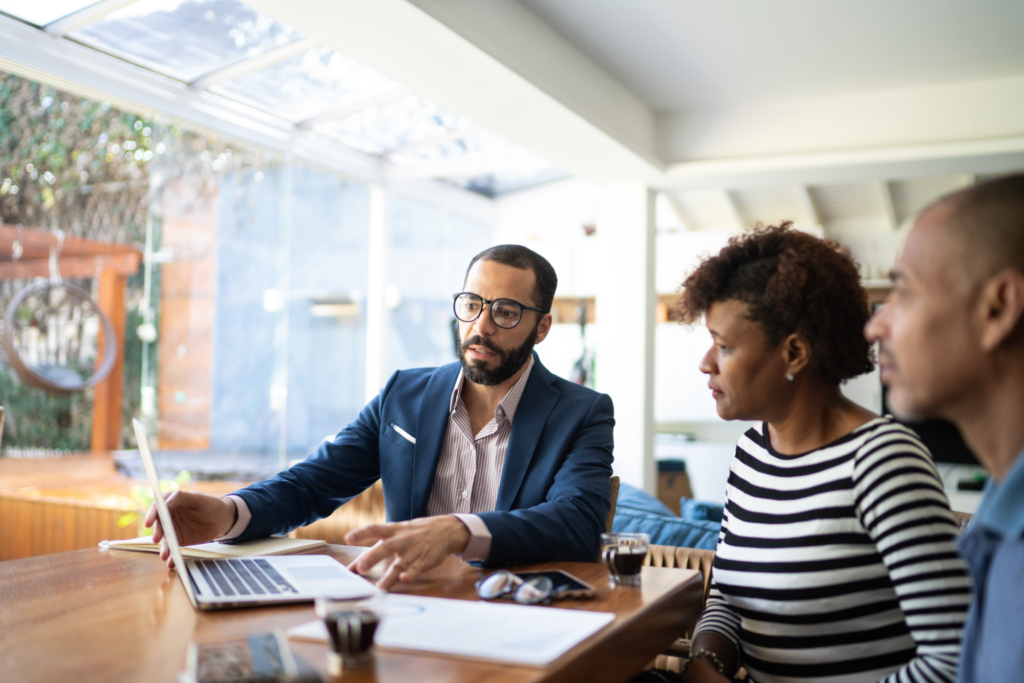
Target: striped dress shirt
469,470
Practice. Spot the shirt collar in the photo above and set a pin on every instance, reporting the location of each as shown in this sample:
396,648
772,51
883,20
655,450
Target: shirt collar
1002,507
508,405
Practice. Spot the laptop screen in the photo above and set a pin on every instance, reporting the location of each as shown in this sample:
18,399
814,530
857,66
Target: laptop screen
162,512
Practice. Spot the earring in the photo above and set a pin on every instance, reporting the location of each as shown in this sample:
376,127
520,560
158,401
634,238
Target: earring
789,376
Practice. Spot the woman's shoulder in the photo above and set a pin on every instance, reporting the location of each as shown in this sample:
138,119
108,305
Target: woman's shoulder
884,438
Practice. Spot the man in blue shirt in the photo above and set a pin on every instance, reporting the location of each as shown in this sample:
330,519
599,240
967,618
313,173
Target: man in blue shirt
952,345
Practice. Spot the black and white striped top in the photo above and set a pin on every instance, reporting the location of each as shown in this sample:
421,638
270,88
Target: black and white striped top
840,564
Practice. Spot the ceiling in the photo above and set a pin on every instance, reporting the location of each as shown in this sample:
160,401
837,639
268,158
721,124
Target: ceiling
244,66
677,54
738,97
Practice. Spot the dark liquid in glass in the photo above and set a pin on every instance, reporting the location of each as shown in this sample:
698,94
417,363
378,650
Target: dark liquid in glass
351,632
629,560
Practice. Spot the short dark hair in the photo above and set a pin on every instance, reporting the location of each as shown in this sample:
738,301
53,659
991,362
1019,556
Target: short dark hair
517,256
988,218
791,282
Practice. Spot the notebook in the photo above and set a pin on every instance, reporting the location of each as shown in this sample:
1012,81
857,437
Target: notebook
260,547
250,581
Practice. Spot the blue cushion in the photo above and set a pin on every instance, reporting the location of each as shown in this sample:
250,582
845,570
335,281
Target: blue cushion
635,510
637,499
700,509
664,530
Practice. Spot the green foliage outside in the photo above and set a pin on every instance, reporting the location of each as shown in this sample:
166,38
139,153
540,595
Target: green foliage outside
92,171
143,497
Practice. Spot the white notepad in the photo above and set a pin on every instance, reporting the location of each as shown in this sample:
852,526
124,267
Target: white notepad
517,634
261,547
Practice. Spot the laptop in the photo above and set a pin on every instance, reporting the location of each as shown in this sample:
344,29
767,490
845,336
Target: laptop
251,581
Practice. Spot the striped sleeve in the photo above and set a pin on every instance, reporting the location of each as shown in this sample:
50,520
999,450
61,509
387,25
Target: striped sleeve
718,617
900,501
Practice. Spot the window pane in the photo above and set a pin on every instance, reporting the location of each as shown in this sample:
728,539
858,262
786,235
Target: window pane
308,85
499,183
476,143
42,13
185,39
395,124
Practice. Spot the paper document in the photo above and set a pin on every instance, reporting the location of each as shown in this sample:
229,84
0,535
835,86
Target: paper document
518,634
274,545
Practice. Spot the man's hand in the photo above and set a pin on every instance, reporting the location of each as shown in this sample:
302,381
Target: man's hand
410,547
198,518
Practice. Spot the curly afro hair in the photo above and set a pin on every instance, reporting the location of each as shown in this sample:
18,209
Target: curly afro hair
791,282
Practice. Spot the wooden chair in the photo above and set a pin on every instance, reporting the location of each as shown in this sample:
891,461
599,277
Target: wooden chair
683,558
611,511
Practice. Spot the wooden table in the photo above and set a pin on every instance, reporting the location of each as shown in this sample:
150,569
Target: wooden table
121,616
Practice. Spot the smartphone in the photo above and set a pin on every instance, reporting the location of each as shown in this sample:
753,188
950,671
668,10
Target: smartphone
263,657
565,585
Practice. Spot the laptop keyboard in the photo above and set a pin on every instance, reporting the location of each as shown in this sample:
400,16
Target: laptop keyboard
243,577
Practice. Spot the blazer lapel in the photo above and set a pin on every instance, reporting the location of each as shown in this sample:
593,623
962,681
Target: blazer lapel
430,430
538,400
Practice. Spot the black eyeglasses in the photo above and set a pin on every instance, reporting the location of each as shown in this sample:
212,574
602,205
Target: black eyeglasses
505,313
532,591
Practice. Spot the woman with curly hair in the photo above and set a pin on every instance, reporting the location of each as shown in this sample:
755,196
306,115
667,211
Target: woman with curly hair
837,559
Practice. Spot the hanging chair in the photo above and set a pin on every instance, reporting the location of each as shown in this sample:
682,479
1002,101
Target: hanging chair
51,335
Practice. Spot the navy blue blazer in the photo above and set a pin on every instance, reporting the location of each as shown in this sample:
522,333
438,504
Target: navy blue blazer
554,493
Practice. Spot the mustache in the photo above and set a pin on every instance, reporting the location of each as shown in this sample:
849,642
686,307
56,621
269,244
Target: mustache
884,354
477,340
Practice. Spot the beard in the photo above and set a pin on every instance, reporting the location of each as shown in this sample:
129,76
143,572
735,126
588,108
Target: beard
509,360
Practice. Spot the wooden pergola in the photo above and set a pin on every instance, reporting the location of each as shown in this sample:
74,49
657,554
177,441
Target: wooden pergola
112,264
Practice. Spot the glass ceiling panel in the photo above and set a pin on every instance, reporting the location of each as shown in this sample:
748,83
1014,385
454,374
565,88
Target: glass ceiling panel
307,85
41,12
396,124
497,184
476,143
185,39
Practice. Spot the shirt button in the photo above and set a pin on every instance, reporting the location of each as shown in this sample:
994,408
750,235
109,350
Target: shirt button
465,493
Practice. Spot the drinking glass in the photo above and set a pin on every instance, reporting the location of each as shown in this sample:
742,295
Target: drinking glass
351,629
624,553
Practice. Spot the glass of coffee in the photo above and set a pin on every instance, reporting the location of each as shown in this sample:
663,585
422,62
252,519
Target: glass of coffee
624,553
351,630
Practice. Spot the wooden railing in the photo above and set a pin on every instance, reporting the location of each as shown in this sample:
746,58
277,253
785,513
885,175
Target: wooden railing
54,505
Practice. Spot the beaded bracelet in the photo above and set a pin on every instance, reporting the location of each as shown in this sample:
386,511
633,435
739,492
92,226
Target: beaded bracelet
705,654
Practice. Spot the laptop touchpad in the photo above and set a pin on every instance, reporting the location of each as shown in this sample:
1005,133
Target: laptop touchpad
318,573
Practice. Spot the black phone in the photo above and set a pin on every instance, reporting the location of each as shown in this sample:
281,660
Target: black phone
564,585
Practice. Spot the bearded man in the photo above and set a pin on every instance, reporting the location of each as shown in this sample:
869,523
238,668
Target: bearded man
492,458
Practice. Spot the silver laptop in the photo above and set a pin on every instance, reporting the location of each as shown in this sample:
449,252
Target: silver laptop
251,581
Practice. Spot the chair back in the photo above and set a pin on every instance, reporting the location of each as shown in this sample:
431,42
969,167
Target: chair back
614,498
683,558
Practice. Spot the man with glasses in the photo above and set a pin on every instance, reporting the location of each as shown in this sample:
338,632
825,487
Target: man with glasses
493,457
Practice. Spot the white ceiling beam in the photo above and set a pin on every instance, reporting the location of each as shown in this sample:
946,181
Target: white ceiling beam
245,66
889,203
739,215
999,155
499,65
950,113
85,16
682,213
806,195
349,109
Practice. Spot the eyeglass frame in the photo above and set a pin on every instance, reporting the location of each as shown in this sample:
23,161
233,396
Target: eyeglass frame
519,588
484,303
